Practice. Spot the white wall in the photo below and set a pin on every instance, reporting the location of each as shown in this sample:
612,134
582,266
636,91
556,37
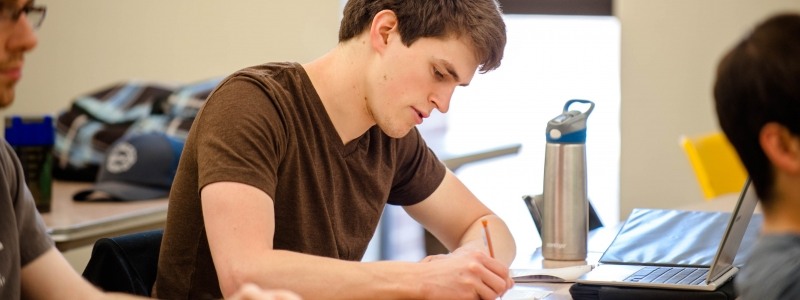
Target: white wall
670,49
84,45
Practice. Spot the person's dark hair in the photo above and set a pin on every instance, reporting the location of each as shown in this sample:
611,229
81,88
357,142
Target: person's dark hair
758,82
479,20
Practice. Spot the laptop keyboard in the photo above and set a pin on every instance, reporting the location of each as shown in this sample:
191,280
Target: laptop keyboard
670,275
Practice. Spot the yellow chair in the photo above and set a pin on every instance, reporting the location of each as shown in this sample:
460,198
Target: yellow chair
716,164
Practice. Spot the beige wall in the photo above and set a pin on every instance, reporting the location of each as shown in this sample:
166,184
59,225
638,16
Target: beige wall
86,44
669,53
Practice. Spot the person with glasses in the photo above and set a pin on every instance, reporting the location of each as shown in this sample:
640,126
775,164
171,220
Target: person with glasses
288,167
757,99
30,265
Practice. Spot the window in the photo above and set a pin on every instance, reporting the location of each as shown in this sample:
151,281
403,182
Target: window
548,60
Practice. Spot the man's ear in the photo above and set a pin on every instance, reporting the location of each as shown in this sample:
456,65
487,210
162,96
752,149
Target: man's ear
383,25
781,147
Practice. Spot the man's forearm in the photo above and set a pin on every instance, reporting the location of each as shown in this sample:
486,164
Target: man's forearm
315,277
503,245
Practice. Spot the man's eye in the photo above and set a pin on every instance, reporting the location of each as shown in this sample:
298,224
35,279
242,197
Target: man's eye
438,74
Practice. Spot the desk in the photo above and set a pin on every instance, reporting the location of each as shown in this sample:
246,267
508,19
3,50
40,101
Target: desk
599,240
74,224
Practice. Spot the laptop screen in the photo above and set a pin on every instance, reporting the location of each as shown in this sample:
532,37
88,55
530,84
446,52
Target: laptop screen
737,226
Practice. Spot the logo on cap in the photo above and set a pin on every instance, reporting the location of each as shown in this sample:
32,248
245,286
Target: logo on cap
121,158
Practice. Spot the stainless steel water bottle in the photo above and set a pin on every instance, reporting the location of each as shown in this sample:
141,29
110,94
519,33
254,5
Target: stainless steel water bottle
566,207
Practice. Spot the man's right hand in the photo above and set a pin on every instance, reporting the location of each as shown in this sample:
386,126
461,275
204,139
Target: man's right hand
464,274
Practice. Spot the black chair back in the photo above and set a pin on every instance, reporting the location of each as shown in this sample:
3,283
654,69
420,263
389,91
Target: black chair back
126,263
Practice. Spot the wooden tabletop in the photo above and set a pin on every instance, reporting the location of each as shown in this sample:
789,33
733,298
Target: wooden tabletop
73,224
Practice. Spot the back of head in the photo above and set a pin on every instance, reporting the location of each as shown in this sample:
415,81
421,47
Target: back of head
478,20
758,82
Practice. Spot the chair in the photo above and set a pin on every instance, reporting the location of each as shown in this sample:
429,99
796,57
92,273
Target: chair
536,203
716,164
125,263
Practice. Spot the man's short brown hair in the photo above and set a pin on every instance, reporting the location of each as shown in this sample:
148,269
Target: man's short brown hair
479,20
758,82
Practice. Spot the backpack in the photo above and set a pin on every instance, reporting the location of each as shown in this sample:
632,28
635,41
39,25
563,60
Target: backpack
93,122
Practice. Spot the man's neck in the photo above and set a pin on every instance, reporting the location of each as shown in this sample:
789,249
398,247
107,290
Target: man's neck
339,79
783,213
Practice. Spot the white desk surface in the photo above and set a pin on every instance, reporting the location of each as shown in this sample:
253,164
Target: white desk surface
599,240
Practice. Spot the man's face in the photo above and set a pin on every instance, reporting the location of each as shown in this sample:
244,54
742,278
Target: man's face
17,37
410,82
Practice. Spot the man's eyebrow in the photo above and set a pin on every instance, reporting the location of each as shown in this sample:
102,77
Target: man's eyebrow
12,4
452,71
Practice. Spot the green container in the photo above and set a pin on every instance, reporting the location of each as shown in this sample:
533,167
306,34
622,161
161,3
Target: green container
32,139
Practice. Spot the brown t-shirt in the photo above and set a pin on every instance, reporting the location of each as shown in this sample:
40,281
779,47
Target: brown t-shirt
266,127
23,235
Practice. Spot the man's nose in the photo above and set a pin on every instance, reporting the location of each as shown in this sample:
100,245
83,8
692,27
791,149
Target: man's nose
23,37
442,99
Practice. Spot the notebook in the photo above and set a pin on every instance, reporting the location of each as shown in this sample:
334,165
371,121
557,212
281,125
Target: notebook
685,277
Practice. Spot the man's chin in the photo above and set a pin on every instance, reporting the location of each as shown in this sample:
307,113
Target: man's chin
396,133
6,97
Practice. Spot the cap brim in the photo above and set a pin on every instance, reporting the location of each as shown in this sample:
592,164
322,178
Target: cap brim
123,191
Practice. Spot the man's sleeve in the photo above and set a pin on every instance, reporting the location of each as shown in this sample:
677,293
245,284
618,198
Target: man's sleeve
33,237
419,172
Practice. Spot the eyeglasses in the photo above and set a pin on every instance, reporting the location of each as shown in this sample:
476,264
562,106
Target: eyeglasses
34,15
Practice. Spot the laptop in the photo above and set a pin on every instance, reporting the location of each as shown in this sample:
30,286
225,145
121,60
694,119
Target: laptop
683,277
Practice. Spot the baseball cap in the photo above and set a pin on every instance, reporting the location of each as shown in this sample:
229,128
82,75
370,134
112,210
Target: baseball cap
136,167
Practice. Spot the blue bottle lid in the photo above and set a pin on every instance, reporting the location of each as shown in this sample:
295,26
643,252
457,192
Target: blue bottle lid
30,131
570,126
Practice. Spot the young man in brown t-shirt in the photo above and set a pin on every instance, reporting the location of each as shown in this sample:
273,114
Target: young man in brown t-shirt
288,167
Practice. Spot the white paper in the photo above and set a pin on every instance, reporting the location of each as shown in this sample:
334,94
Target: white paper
566,274
525,295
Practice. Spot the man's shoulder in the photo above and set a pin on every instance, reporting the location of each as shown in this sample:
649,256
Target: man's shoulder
780,251
283,77
771,270
7,159
271,70
788,244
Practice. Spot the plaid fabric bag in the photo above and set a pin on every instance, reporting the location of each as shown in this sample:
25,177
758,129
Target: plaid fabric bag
174,117
95,121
